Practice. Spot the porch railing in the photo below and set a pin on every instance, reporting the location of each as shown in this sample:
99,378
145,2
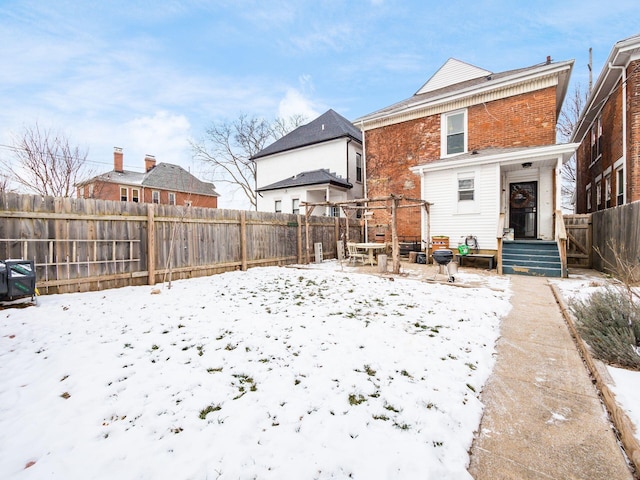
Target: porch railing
561,240
500,233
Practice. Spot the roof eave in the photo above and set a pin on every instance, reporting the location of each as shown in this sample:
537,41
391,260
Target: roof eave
620,56
543,70
565,150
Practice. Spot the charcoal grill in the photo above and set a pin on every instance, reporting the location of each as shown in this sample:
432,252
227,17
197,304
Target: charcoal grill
443,257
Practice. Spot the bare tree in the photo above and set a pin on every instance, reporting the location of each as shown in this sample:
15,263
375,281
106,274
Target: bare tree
45,162
229,147
567,122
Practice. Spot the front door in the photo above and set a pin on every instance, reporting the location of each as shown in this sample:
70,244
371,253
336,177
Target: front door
523,203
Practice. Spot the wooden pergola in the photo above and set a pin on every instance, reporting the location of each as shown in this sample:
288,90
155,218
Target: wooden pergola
390,203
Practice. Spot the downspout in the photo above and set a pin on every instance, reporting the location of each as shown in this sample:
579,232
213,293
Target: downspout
348,141
624,118
364,173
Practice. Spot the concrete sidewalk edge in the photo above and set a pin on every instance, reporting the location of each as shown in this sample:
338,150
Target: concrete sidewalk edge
624,427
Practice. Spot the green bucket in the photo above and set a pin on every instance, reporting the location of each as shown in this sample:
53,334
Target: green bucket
463,250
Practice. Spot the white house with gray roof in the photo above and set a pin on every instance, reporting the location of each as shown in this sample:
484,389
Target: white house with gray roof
317,162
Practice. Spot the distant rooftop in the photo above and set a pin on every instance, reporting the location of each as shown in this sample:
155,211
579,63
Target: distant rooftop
328,126
312,177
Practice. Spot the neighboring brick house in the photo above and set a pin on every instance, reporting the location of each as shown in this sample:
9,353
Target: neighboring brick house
479,146
608,130
317,162
164,183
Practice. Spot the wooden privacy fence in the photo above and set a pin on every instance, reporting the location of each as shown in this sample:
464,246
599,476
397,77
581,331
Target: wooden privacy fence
616,233
83,244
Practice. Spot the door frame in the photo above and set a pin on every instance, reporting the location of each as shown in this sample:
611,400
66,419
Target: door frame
535,185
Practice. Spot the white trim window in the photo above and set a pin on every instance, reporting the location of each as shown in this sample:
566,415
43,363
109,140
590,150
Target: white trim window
172,198
466,187
596,140
135,195
124,194
620,185
358,167
91,192
454,133
598,194
155,196
607,191
587,194
277,206
295,206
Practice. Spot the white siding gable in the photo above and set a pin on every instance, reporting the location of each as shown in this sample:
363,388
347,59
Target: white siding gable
452,72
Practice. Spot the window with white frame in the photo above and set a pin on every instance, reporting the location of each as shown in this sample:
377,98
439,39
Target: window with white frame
607,191
91,186
124,194
135,195
295,206
596,140
172,198
454,133
358,167
155,196
620,185
334,211
466,187
278,206
587,193
598,194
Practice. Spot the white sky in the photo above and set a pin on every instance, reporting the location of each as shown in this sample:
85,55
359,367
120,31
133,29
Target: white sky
147,76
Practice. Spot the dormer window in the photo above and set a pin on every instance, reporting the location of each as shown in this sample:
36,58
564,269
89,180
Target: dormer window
454,133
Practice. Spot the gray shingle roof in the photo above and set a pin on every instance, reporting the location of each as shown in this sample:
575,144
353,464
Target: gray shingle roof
468,85
165,176
312,177
328,126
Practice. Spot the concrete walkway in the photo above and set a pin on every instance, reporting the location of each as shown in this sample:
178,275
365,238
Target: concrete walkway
543,417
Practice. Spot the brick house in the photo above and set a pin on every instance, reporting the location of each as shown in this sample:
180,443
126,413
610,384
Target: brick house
163,183
320,161
480,146
608,131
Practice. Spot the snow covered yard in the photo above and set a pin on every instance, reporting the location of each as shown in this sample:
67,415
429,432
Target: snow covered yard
271,373
626,383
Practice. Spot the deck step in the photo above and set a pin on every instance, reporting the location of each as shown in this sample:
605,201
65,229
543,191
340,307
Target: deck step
531,257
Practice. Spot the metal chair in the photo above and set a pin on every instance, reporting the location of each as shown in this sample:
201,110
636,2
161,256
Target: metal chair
354,255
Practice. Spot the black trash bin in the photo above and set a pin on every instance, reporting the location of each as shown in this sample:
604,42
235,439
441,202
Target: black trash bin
20,278
3,280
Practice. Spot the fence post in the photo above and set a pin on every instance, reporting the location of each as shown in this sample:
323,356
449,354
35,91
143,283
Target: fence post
243,240
299,239
151,246
336,229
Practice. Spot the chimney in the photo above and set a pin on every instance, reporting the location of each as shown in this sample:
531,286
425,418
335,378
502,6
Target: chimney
548,59
117,159
149,162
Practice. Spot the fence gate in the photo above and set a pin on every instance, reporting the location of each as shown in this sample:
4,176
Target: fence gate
579,244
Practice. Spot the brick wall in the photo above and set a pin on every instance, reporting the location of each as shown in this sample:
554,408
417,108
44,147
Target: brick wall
633,131
523,120
111,191
612,145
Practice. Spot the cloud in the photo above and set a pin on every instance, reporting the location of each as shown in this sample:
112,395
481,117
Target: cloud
163,134
297,101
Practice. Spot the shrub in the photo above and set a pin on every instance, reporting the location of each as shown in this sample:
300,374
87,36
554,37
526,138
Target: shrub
610,323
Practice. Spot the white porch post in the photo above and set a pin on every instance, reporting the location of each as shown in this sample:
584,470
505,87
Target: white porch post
557,204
